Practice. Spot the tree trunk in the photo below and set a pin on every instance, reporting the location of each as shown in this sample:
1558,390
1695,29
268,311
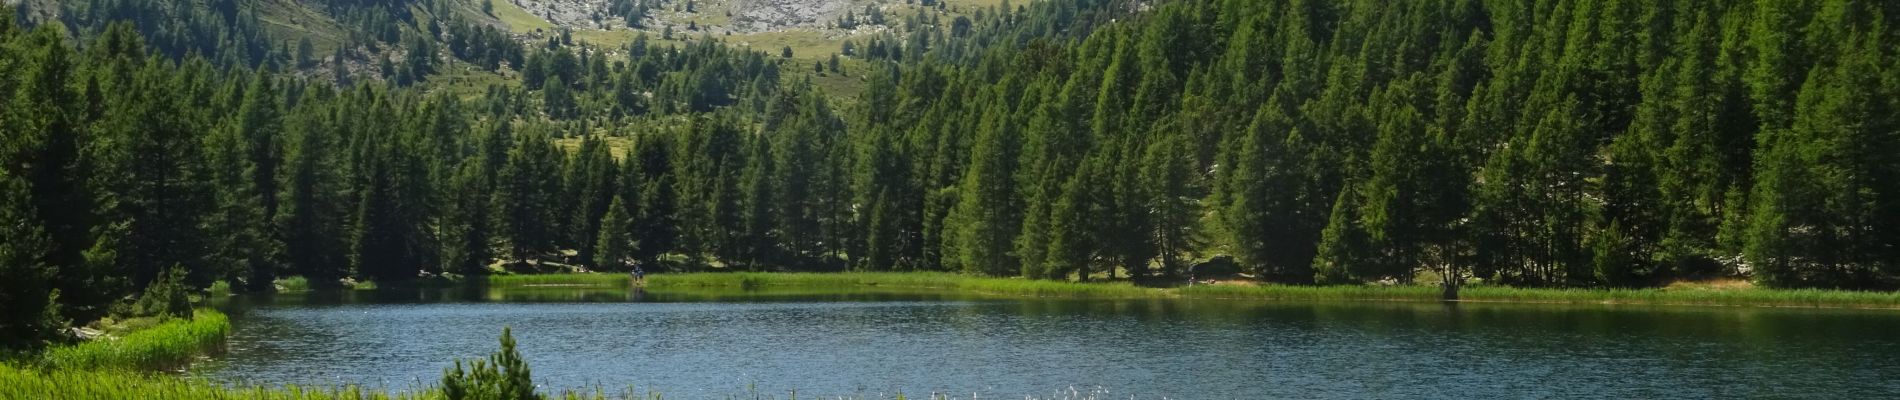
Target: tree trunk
1450,279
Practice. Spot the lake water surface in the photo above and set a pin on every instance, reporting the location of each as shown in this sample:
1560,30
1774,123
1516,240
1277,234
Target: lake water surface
874,345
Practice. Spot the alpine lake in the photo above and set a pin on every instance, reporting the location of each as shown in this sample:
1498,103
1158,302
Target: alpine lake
883,343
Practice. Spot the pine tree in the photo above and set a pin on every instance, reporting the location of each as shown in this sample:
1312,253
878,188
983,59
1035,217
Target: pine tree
1412,194
153,172
239,250
380,242
467,219
313,209
614,241
558,101
1266,215
32,312
801,149
1075,237
1818,215
590,176
1343,246
526,190
982,225
245,158
1173,190
650,180
45,146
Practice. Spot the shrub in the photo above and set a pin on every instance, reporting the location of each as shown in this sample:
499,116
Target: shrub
166,297
292,284
504,376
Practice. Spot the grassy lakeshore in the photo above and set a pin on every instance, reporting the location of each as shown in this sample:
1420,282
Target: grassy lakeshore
1702,296
1017,287
165,346
29,383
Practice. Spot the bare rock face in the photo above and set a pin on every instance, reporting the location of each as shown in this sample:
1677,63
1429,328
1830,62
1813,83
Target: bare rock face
576,14
765,15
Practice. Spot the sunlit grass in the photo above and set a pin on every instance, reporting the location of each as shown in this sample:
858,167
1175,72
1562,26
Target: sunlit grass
31,383
916,280
1120,289
292,284
619,146
167,345
1705,297
603,279
518,19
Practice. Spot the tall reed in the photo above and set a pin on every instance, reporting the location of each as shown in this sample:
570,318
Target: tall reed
169,345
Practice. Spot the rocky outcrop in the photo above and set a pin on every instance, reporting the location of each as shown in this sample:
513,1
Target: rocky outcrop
766,15
575,14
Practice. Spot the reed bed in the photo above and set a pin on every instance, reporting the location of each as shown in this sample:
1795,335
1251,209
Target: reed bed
31,383
166,346
18,382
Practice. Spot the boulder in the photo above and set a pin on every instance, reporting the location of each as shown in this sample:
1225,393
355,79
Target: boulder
1219,267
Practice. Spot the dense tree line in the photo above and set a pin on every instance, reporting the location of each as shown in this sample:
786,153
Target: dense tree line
582,82
482,45
1573,143
121,164
225,31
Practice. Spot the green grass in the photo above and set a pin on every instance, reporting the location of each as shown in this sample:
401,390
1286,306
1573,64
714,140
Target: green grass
30,383
465,81
918,280
168,345
1409,293
519,20
619,146
1018,287
292,284
298,284
1730,297
807,45
605,280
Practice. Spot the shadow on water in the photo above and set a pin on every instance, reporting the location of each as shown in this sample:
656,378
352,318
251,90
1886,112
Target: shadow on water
1687,321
